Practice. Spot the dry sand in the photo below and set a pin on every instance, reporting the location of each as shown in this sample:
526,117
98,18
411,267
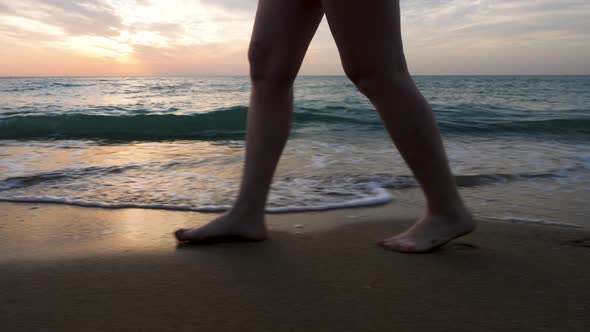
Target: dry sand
66,268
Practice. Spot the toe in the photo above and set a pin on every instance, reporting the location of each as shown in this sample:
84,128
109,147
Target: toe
406,245
387,242
399,245
179,234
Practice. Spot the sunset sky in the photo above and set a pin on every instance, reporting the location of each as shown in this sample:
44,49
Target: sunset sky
210,37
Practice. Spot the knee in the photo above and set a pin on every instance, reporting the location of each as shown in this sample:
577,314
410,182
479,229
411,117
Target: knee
372,80
269,66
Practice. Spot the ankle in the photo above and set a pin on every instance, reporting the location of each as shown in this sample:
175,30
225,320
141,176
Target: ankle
251,212
456,209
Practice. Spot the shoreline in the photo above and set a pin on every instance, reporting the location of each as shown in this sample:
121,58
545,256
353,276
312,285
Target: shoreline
72,268
72,230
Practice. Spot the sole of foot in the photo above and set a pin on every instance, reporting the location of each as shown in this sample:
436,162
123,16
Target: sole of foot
431,233
226,228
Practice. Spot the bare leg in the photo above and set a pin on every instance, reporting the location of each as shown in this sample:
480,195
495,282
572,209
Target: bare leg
368,36
282,33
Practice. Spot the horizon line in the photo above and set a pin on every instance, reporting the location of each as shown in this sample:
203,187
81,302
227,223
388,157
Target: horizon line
246,75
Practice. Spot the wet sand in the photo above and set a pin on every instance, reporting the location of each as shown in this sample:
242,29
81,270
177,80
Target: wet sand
67,268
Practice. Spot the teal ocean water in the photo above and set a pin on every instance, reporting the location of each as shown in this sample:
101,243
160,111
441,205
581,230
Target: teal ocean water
518,145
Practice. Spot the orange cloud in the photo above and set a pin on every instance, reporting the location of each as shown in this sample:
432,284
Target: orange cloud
210,37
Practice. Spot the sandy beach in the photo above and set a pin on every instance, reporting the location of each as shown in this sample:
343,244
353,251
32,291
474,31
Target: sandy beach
344,121
69,268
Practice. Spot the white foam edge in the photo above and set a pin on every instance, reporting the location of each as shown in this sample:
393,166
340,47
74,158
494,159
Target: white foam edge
382,197
82,203
10,185
536,221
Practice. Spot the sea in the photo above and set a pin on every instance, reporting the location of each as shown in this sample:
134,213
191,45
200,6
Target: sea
518,145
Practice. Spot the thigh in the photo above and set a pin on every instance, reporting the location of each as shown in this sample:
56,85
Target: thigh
282,32
368,35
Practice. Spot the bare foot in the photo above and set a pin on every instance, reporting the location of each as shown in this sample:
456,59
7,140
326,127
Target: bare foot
431,232
226,228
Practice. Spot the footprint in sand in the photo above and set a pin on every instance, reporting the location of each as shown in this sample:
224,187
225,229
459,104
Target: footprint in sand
463,245
584,242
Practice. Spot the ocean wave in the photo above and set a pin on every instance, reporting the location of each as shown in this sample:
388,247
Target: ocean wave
62,175
536,221
386,181
69,85
230,123
467,180
380,197
225,124
311,193
41,85
565,127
